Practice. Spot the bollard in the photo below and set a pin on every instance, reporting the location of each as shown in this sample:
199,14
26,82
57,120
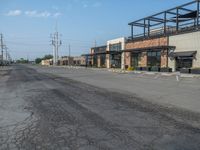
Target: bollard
178,76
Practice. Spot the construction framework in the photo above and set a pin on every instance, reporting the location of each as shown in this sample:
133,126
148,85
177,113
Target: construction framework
173,21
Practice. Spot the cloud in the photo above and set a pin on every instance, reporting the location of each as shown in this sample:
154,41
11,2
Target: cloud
35,13
57,14
86,4
14,13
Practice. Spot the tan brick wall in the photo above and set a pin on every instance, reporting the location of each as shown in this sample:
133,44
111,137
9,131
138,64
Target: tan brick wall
127,58
164,58
108,61
147,43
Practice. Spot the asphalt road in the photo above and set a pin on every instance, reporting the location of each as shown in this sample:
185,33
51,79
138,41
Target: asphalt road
47,112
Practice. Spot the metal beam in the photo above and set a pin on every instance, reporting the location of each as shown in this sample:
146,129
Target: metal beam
177,21
172,13
132,32
197,23
165,23
185,9
139,24
149,22
169,11
156,19
144,28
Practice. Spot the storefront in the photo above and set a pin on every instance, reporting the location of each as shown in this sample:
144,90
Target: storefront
184,59
154,58
115,59
187,51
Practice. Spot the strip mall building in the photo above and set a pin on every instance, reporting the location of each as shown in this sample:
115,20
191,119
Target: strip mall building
169,39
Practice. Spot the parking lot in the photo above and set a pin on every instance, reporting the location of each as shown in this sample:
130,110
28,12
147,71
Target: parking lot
48,108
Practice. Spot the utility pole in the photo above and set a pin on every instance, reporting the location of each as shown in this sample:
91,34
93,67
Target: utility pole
6,53
56,42
69,55
2,47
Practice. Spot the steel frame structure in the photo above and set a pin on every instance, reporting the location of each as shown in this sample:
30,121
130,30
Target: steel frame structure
169,22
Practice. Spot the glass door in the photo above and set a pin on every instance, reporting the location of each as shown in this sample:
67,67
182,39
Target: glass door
135,59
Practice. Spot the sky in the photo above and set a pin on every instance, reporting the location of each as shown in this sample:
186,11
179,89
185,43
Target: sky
27,24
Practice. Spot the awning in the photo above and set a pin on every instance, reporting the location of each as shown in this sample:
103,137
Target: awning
151,48
185,54
103,53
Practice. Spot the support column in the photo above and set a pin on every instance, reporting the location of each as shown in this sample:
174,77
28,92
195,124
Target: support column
149,28
132,32
108,65
123,60
127,59
99,61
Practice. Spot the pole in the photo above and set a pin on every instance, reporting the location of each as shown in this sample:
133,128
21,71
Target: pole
132,32
69,55
197,23
56,43
6,53
57,48
2,47
177,19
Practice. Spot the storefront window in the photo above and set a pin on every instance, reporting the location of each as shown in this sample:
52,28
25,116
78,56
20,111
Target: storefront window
95,60
116,47
154,58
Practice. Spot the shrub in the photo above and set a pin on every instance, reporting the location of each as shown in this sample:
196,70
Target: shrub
130,69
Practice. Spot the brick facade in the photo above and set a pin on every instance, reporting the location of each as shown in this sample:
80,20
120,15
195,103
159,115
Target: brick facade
147,43
127,58
164,59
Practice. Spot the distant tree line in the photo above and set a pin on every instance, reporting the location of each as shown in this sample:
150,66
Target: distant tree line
22,61
38,60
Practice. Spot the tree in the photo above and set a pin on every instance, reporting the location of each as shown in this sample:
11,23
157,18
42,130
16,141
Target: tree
47,57
22,61
38,60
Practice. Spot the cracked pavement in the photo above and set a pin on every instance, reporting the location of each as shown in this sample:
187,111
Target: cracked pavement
40,111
